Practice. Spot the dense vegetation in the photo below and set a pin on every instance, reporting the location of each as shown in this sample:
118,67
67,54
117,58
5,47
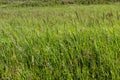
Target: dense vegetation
66,42
54,2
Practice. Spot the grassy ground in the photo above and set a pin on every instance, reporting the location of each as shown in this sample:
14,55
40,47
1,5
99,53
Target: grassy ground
60,43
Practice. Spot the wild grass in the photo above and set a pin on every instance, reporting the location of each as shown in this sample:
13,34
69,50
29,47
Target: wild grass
69,42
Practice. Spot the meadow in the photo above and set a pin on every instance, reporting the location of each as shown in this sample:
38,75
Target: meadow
68,42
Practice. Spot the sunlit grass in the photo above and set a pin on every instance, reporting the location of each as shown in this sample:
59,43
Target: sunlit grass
61,42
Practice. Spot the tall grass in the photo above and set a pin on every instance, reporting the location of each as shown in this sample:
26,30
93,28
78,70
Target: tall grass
60,43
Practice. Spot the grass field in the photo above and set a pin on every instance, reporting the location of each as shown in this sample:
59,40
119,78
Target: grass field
69,42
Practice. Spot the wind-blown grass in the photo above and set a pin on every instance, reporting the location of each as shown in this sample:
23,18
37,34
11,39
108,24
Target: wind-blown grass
61,43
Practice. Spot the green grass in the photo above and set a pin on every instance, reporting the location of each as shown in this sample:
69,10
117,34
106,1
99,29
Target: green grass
69,42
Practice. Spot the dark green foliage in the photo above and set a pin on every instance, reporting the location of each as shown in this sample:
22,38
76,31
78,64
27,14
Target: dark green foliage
53,2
